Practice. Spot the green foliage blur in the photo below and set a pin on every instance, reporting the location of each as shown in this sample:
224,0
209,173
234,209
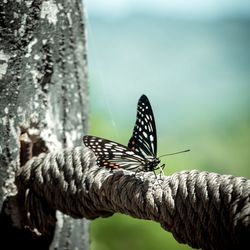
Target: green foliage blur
196,75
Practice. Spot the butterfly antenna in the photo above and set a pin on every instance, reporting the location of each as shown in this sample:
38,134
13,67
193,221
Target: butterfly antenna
179,152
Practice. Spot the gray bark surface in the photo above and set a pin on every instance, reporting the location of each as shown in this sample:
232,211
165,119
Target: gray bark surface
43,98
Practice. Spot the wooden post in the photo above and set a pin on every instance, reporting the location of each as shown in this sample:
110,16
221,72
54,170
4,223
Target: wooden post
43,106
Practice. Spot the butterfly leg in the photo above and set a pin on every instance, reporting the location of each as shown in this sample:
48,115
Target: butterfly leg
161,170
137,171
157,179
155,173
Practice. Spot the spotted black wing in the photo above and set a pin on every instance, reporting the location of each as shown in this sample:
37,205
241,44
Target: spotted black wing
111,154
144,138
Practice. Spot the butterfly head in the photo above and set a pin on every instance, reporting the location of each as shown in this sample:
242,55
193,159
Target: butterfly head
151,163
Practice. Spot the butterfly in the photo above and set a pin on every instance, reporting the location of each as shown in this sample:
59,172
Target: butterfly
140,154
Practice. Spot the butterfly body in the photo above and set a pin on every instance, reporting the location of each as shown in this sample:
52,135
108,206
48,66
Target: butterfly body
151,163
140,154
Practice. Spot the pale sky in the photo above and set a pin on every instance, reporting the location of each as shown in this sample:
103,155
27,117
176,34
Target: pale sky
179,8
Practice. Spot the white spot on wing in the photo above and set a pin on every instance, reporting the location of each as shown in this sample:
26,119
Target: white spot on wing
151,138
130,153
118,153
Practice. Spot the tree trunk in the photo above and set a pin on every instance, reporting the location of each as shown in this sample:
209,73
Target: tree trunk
43,107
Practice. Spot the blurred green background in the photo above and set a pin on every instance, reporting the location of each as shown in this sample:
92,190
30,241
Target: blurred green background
193,62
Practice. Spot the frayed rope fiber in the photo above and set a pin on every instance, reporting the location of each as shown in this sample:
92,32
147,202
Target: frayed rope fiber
202,209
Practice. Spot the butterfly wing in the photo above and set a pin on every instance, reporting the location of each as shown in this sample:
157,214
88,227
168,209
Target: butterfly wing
111,154
144,138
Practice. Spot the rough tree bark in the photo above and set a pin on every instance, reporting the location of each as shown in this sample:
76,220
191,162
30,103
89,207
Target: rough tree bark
43,106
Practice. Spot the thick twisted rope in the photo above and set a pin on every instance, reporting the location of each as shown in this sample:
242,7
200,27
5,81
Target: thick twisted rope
204,210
